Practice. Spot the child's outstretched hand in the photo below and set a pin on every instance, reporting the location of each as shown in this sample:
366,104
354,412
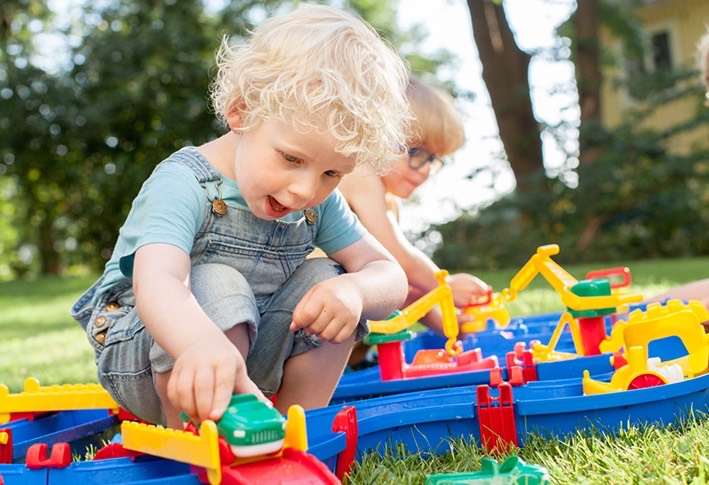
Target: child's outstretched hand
204,378
466,288
331,310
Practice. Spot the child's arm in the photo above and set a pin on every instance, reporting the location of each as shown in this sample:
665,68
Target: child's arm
372,287
208,367
366,196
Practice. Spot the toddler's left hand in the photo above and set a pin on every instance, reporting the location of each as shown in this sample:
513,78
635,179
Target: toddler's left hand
331,310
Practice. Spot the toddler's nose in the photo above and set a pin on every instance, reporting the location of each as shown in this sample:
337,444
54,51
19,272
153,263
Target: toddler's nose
303,191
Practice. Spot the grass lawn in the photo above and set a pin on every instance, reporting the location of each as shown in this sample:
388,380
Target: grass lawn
40,339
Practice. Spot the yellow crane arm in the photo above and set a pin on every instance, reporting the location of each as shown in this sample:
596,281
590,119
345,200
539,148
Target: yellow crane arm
562,282
540,262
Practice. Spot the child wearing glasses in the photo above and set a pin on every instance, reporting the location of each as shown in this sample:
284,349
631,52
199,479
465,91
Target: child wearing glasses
376,199
208,292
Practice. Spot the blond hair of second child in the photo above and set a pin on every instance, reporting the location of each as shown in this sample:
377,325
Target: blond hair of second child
207,292
377,199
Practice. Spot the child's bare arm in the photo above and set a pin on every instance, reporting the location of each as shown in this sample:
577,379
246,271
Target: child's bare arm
366,196
373,287
208,367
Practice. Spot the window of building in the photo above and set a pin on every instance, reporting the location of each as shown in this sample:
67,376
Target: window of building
651,72
661,53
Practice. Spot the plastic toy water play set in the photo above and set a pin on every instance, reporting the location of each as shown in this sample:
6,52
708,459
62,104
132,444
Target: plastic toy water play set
607,361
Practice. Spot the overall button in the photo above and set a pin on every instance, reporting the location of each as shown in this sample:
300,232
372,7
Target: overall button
100,321
112,306
101,337
311,216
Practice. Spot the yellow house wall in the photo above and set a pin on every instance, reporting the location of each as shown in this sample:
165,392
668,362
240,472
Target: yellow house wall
686,21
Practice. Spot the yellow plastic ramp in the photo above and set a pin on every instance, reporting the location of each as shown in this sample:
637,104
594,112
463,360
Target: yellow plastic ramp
66,397
200,450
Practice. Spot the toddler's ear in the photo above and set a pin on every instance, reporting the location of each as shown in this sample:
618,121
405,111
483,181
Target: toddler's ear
235,117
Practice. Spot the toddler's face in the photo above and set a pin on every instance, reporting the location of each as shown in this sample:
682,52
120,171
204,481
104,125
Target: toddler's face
280,170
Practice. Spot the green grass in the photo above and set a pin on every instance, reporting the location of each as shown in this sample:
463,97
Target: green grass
636,455
40,339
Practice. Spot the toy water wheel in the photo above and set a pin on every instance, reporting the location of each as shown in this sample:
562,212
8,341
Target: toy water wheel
645,380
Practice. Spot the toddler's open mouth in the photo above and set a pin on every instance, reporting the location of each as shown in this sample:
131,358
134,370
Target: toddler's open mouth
276,206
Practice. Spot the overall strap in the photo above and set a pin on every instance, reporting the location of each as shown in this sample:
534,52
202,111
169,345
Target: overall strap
192,159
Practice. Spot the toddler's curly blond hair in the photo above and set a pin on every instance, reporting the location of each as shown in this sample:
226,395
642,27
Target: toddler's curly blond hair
316,64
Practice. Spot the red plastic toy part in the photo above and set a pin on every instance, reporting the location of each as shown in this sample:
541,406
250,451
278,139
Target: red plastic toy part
5,446
617,277
292,467
37,456
114,450
645,380
346,421
496,417
593,332
434,362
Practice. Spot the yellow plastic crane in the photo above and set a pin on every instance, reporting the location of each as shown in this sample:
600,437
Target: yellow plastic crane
562,282
443,296
588,300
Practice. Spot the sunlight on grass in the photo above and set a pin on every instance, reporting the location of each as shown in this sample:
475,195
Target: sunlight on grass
58,357
40,339
21,322
637,454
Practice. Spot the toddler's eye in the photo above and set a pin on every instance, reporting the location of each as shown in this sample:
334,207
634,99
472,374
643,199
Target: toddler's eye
333,174
290,158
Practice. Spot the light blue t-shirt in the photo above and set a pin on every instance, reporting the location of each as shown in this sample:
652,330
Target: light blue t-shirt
171,207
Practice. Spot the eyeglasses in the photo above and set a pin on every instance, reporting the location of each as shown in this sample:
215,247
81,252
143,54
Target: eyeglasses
419,157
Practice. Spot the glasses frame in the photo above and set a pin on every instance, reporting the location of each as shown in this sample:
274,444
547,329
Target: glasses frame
434,161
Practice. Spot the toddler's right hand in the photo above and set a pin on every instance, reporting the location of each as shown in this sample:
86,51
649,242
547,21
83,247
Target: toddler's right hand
204,378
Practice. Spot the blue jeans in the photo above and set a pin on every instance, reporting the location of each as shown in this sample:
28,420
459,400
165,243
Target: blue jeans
127,357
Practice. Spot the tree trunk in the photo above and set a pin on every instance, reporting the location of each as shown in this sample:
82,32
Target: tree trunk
588,73
506,75
50,260
588,82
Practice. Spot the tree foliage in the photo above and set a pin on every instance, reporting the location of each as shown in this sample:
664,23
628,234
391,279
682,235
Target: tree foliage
141,71
35,108
642,199
80,139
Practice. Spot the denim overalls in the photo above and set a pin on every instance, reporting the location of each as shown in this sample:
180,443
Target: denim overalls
244,270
